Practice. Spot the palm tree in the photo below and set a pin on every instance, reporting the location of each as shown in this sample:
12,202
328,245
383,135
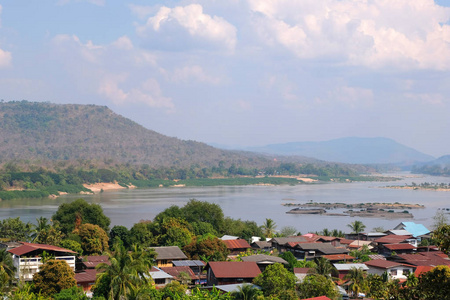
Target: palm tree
357,227
41,226
126,271
246,292
269,228
323,266
7,269
357,278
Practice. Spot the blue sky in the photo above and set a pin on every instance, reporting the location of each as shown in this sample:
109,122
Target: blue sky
240,72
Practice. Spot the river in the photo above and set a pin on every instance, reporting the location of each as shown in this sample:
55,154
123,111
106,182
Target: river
256,203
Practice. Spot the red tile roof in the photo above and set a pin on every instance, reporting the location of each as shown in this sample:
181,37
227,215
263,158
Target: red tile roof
175,271
236,244
302,270
392,239
87,276
30,247
234,269
317,298
424,259
382,264
346,241
399,246
92,261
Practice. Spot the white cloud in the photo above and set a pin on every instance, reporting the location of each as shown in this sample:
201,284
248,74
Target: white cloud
149,92
5,58
424,98
188,27
378,33
194,73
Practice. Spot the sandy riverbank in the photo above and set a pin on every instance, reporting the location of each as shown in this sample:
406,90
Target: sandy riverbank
105,186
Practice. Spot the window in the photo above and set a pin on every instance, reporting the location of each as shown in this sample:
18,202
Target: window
406,271
394,272
160,281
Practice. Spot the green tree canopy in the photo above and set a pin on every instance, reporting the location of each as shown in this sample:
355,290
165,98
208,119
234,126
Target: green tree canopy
442,238
7,270
206,247
93,239
316,285
276,281
54,276
71,215
13,229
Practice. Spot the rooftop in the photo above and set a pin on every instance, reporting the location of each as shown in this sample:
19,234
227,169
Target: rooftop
346,267
236,244
392,239
405,246
234,269
262,258
30,247
382,264
170,252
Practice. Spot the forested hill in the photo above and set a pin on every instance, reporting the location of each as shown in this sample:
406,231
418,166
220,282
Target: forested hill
37,131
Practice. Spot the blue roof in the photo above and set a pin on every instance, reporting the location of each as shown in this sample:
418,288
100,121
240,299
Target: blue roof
415,229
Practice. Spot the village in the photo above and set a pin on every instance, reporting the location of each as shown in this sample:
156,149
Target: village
349,265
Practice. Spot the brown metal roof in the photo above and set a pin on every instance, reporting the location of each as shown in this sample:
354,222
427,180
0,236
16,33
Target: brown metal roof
175,271
87,276
383,264
170,252
399,246
262,258
392,239
234,269
30,247
236,244
338,257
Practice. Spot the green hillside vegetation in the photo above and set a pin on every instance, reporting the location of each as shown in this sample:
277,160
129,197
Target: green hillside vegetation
42,132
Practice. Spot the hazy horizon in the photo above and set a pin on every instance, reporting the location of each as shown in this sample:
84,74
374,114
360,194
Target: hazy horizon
240,72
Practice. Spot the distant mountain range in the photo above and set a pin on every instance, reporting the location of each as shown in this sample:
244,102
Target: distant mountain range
352,150
37,131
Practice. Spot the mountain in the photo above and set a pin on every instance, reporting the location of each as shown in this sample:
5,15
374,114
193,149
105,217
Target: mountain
37,131
350,150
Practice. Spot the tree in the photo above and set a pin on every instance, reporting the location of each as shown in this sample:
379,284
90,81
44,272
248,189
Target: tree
174,232
207,246
202,211
276,281
440,219
127,270
316,285
376,286
70,215
48,233
7,270
246,292
93,239
288,231
441,236
54,276
72,245
294,263
357,227
41,226
323,267
13,229
122,233
269,227
357,278
435,284
173,290
74,293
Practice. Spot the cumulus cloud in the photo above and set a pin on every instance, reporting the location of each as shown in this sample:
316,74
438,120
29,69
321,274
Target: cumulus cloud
194,73
5,58
104,66
188,27
378,33
149,92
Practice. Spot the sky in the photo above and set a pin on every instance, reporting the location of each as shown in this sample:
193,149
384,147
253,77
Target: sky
240,72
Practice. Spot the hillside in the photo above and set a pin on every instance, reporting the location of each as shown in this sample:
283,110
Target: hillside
36,131
350,150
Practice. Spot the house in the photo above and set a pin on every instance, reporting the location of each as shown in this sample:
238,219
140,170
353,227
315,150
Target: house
262,245
397,232
371,236
236,246
229,237
317,298
86,279
264,260
283,244
394,239
395,270
166,255
416,230
343,269
309,251
431,259
335,258
27,258
301,273
230,288
160,277
88,275
195,265
388,249
176,273
230,272
358,245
